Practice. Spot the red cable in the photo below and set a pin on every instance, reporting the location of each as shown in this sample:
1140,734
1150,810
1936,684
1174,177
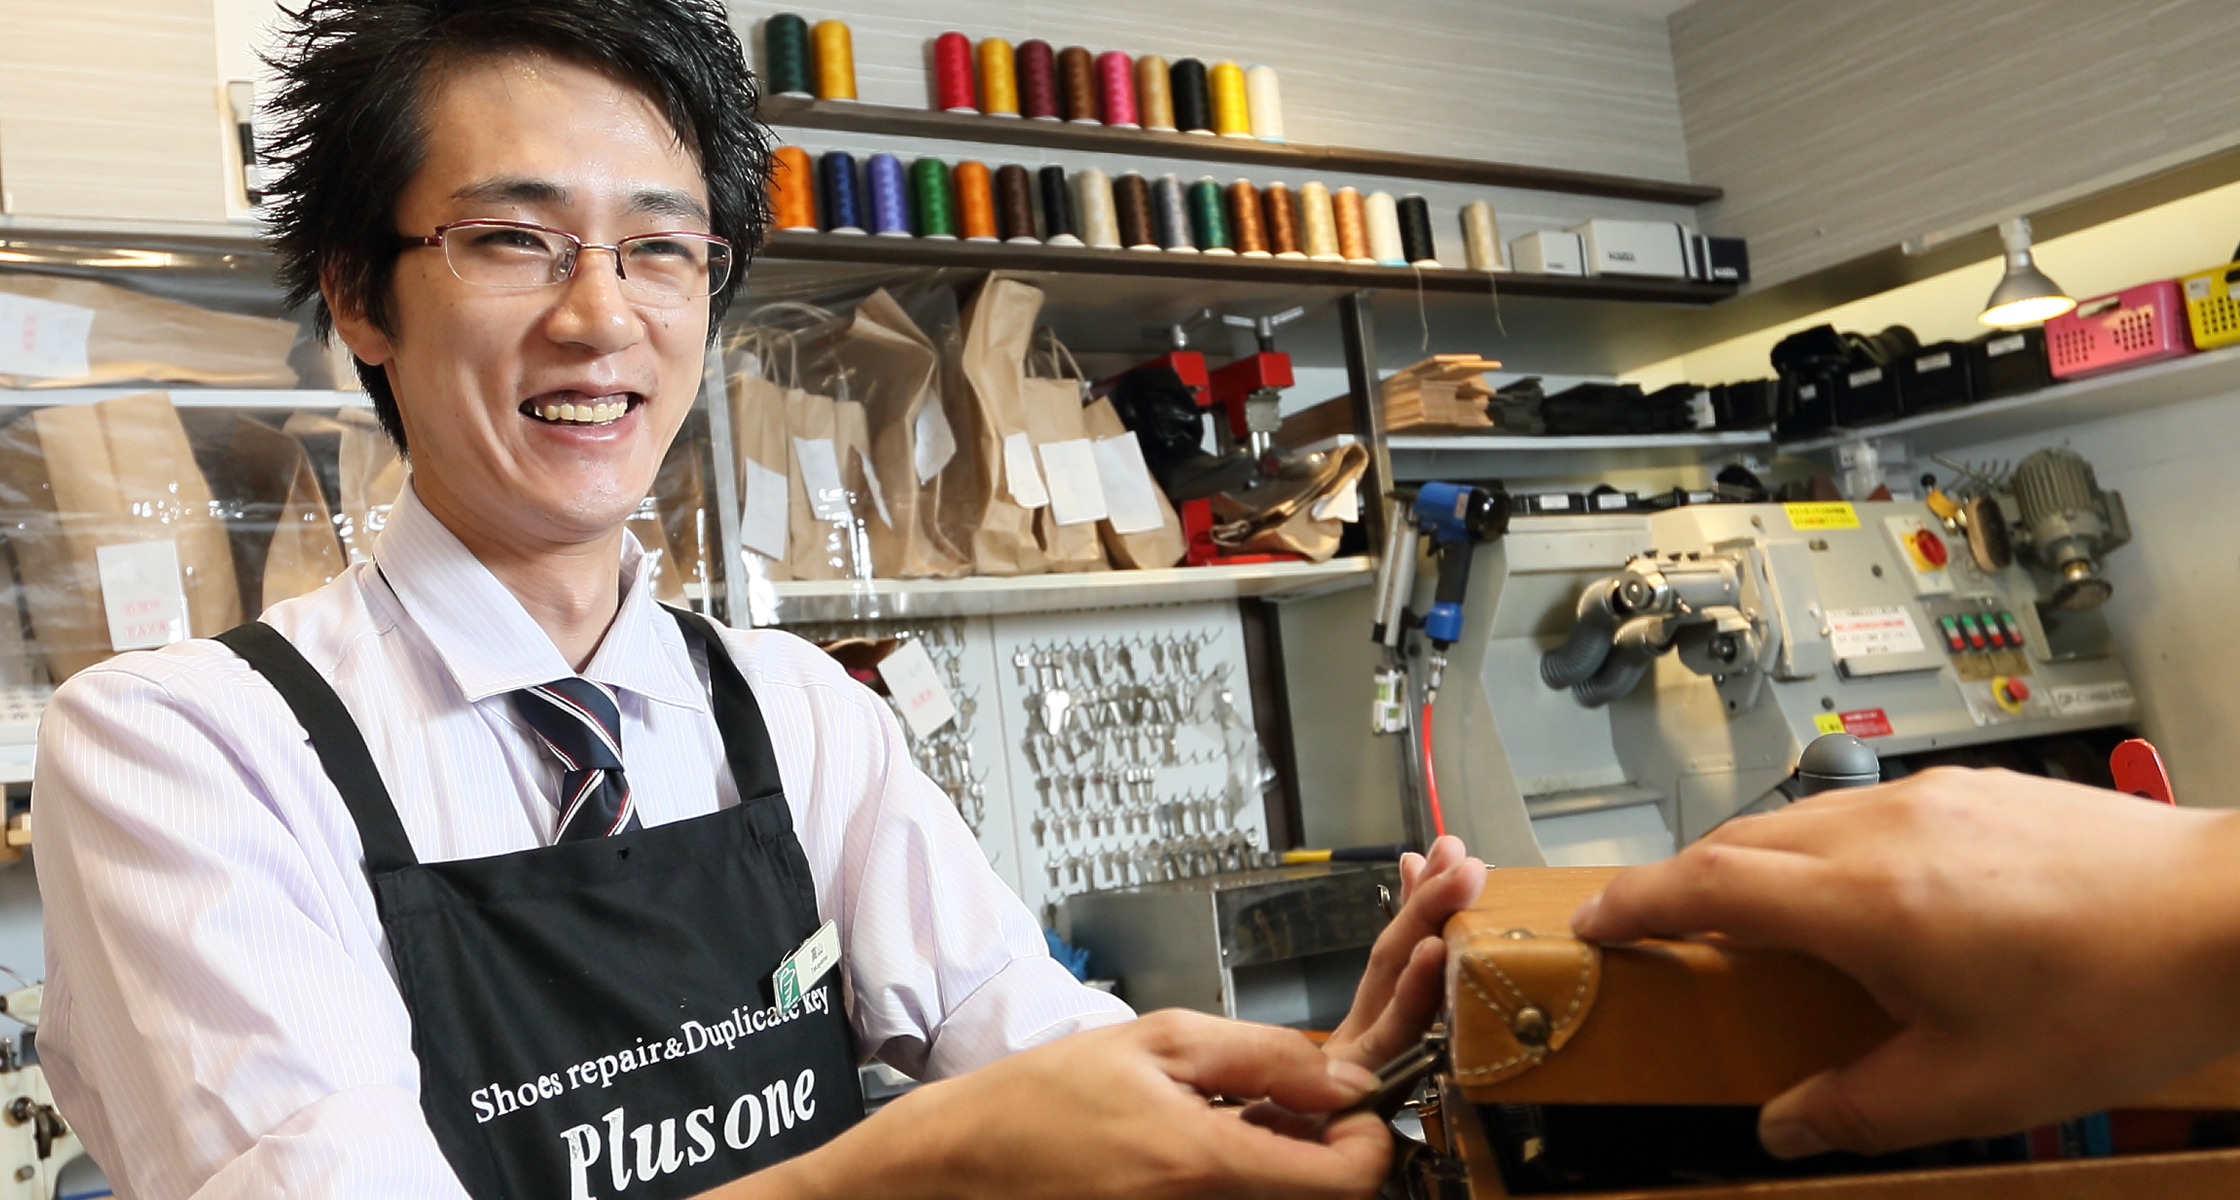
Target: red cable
1431,776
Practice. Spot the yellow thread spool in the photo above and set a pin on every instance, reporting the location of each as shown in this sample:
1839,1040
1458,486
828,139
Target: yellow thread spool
999,79
1318,224
1232,115
834,54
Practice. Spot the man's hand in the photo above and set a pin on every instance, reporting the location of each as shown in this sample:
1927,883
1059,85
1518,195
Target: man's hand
1406,982
1119,1112
2049,949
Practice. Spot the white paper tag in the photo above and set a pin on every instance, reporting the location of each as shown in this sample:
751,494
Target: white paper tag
878,494
807,964
142,593
2093,699
765,511
820,475
1076,496
1131,500
1341,505
934,443
2197,288
1932,362
1554,502
43,339
1020,475
1867,632
2006,345
1861,379
917,688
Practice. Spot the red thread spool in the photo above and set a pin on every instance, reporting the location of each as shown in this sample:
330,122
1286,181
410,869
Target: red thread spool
1116,89
1038,81
952,73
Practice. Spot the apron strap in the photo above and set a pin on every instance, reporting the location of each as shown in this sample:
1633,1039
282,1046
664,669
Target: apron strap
341,748
746,739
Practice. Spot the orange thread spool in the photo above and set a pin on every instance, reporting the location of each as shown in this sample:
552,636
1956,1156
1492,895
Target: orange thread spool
1245,226
1353,226
793,189
976,202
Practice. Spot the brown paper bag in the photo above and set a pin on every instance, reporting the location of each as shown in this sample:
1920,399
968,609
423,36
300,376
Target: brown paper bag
680,495
75,478
825,538
644,524
367,473
1150,548
277,519
1281,520
1053,403
764,457
998,323
894,371
140,338
305,554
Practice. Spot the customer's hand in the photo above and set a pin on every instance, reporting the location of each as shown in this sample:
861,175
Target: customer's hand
1405,985
2050,949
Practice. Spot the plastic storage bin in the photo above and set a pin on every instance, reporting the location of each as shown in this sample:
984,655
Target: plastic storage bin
1936,376
2008,363
2130,328
1868,395
2213,306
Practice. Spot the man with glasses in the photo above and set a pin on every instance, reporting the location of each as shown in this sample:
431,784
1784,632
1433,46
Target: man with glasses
478,873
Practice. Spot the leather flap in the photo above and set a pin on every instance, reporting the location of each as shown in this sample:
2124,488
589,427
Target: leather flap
1519,996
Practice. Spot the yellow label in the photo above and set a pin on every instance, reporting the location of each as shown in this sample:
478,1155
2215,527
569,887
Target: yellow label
1826,722
1822,516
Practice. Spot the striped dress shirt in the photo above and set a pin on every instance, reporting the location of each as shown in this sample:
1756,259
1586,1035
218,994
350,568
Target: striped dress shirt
221,1018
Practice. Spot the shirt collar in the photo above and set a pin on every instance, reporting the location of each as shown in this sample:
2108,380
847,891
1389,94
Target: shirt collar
491,645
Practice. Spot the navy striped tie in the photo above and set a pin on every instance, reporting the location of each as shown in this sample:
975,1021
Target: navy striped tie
578,722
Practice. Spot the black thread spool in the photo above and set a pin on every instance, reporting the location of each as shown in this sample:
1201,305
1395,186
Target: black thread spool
1193,104
1060,226
1015,204
1415,233
1131,201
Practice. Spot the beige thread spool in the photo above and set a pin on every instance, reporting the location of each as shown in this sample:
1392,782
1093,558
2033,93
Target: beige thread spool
1481,237
1318,223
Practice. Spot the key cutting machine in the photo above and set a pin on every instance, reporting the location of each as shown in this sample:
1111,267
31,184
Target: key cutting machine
1622,683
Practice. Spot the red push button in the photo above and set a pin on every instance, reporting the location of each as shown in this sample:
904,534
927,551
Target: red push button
1932,549
2009,693
1974,631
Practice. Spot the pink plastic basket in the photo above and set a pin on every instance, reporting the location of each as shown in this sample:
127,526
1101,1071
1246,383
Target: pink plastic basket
2135,326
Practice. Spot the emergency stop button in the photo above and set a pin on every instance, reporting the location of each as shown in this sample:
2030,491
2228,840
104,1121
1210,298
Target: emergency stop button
2010,693
1932,549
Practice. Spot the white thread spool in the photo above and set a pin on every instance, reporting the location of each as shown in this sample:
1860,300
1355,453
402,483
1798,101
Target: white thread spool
1382,215
1100,225
1263,100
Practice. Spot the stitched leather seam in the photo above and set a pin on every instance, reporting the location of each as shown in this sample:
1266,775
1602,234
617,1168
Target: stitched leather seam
1534,1055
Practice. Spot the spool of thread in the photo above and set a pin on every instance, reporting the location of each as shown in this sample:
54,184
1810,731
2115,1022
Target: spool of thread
1353,226
1282,211
1481,237
976,202
1231,117
1381,217
1059,225
1116,90
1131,202
1415,233
1077,86
785,56
793,189
1318,224
836,179
1154,94
1092,201
1015,204
999,80
1187,81
1250,234
1209,219
1038,81
890,199
936,202
952,73
1265,99
835,55
1173,214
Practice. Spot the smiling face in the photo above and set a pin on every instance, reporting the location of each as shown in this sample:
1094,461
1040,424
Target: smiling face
487,379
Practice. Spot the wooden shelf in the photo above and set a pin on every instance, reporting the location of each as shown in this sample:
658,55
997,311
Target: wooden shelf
1298,158
867,250
1419,458
2193,377
191,397
891,599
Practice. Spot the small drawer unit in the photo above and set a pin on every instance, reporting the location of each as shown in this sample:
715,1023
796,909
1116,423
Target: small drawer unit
2213,306
2130,328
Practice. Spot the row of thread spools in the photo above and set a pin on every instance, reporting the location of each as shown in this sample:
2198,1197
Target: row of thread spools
1087,208
1036,82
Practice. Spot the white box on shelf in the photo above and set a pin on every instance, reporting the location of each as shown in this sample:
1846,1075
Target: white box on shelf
1548,253
1653,248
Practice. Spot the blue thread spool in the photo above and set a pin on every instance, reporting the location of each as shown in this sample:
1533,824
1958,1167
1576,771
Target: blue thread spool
843,204
890,204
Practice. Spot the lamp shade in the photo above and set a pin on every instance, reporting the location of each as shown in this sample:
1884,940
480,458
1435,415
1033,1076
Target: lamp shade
2025,296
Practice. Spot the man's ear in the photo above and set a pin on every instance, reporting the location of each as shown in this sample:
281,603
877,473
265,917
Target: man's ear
351,325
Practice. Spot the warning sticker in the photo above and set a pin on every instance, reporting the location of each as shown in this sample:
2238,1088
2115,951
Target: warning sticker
1859,723
1834,515
1868,632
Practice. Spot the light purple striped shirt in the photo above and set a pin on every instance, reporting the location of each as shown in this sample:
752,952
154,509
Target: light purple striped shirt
221,1018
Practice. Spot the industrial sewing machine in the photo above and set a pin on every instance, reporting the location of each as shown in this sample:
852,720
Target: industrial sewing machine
1622,683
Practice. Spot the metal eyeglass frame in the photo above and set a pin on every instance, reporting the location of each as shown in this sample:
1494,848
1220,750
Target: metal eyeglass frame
575,257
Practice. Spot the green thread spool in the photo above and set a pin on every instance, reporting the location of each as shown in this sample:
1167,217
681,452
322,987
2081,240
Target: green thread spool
936,198
785,55
1209,218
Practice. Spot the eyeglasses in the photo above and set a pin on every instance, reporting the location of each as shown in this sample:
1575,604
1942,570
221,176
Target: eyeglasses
664,268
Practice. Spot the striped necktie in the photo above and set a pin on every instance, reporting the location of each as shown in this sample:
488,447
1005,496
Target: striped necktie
578,722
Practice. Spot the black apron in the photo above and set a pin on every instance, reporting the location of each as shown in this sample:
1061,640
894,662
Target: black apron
599,1015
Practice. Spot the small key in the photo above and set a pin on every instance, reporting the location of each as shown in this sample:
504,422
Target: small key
1020,661
1039,827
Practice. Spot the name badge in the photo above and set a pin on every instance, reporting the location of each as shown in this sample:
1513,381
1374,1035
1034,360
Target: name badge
807,964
